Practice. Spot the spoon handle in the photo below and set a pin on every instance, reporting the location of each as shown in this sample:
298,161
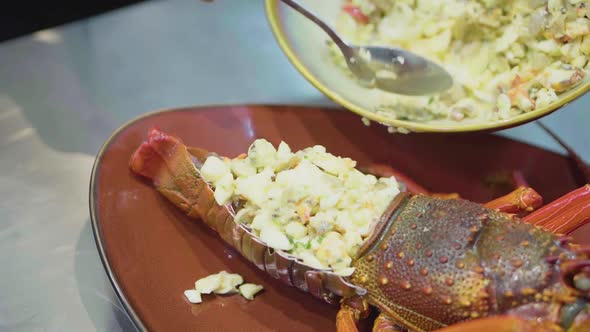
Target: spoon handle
313,17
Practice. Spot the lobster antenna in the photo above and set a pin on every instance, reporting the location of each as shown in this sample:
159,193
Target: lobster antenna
582,167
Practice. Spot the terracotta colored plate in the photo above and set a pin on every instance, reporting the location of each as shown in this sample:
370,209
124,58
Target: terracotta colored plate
152,253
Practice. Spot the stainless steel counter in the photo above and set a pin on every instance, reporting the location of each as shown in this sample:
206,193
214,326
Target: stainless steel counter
64,90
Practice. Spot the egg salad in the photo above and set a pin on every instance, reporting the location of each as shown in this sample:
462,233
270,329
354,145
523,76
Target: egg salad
506,57
309,203
222,283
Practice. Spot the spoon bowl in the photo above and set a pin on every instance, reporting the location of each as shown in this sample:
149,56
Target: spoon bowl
397,70
304,45
387,68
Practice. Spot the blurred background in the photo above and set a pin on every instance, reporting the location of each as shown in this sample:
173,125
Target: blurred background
24,17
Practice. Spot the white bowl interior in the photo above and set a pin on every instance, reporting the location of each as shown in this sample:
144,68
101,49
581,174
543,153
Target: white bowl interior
308,43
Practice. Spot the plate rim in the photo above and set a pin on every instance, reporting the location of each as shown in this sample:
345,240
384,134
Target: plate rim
94,220
272,16
92,199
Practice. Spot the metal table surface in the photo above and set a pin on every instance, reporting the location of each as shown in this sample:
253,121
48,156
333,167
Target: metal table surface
64,90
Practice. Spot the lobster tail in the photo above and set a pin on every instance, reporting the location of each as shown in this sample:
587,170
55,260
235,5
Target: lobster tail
174,171
166,161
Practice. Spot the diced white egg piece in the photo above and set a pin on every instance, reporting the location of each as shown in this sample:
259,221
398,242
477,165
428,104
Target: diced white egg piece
243,216
332,164
322,222
303,243
208,284
503,105
295,230
242,167
311,260
332,249
545,97
274,191
353,179
330,200
383,198
365,230
580,61
285,215
262,220
284,151
342,263
274,238
389,181
253,187
585,45
352,241
261,153
349,198
286,163
249,290
577,28
213,169
548,46
361,216
285,158
345,272
224,189
369,180
228,283
302,176
524,102
508,38
343,222
560,79
193,296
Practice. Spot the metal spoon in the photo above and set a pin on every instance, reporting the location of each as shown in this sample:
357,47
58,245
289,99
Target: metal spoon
387,68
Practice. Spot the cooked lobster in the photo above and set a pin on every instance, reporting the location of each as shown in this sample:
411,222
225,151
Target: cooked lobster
433,261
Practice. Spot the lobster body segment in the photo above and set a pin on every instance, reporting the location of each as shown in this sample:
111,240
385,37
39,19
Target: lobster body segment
440,261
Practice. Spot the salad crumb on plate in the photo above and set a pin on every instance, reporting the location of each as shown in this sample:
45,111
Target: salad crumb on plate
222,283
248,291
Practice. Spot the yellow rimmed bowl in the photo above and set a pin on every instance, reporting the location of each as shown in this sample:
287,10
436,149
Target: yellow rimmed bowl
305,46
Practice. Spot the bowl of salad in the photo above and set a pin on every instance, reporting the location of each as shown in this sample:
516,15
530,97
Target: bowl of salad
512,61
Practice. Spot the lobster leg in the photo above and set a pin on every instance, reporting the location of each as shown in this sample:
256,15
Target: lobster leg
352,309
384,323
565,214
521,200
502,324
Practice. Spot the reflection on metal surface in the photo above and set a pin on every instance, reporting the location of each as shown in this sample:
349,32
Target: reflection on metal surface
7,113
49,36
20,134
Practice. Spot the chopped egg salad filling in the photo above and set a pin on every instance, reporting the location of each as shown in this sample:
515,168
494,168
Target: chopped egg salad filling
222,283
506,57
310,203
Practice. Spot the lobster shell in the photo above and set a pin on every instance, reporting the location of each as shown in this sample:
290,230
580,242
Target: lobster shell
174,169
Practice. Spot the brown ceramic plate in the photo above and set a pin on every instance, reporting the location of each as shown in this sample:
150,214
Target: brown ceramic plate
152,253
